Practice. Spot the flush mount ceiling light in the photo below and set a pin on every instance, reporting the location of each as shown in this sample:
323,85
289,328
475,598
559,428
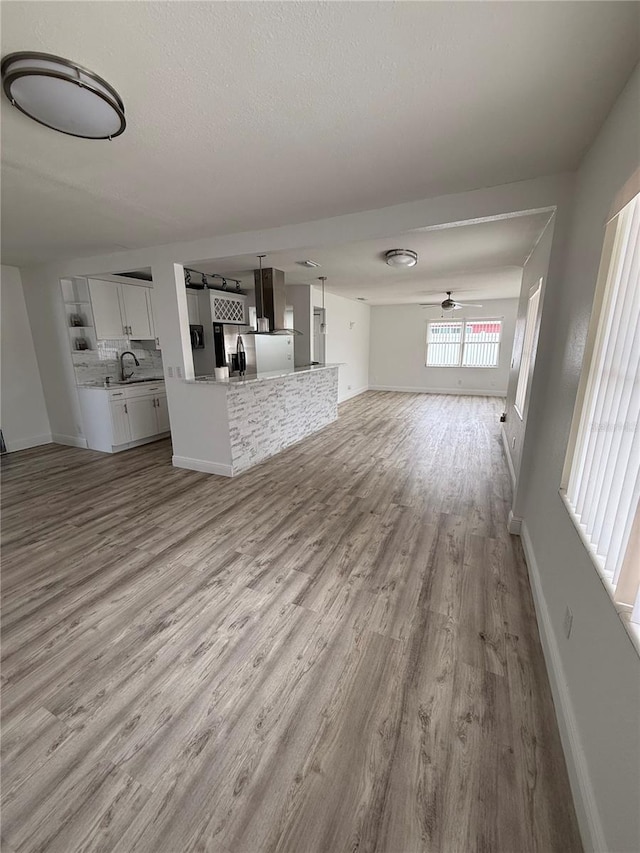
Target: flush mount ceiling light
401,258
62,95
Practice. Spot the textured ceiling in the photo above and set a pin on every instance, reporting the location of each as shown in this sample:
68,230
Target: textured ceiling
252,115
482,260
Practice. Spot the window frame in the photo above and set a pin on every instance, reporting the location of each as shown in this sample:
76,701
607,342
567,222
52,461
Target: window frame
609,260
463,340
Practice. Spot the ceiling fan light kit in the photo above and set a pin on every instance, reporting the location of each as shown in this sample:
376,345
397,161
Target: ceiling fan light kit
450,304
62,95
401,258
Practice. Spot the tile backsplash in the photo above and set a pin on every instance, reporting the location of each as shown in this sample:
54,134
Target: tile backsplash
93,366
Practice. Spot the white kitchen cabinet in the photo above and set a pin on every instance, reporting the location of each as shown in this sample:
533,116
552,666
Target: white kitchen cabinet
120,431
107,312
142,417
193,308
136,312
118,418
121,310
228,308
162,413
152,317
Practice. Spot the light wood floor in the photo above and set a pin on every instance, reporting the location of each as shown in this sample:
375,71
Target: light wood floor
336,651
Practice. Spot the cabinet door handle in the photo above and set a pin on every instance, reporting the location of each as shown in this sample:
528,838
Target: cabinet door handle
154,402
126,411
158,401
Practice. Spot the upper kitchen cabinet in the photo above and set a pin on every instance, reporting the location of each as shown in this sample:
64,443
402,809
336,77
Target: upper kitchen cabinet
121,310
135,301
229,308
107,314
193,308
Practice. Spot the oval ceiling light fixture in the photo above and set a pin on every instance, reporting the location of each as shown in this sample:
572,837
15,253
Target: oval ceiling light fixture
401,257
62,95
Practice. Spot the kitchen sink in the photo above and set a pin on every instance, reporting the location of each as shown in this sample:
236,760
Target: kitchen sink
135,381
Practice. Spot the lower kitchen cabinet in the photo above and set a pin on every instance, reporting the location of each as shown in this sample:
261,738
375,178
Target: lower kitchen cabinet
120,431
142,417
125,416
162,413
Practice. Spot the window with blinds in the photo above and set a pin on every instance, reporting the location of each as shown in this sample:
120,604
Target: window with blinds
481,343
444,342
602,476
470,343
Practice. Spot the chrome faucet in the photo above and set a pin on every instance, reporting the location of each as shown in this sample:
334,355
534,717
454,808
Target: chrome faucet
124,376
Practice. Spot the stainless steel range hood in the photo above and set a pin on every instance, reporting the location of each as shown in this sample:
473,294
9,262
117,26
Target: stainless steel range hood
271,301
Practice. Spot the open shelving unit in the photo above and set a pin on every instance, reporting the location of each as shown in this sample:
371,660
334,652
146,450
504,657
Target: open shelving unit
79,316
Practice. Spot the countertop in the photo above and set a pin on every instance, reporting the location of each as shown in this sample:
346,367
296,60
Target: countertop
259,377
100,384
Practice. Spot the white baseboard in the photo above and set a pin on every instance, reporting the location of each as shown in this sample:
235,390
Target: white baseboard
118,448
26,443
351,394
462,392
514,524
585,803
507,452
69,440
202,465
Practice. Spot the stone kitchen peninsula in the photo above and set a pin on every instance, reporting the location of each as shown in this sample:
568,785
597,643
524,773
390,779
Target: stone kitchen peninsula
257,416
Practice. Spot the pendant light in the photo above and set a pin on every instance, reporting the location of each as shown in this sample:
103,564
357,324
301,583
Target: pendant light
323,324
262,323
62,95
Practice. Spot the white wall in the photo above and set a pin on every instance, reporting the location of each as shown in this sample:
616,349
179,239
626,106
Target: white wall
347,341
398,351
596,672
23,413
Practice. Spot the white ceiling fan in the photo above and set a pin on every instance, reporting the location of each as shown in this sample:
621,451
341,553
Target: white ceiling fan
450,304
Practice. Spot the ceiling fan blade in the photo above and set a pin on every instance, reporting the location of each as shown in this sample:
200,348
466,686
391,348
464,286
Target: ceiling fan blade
468,305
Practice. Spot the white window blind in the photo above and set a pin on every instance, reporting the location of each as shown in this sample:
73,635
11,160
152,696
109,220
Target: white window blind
444,340
481,343
469,343
527,349
603,488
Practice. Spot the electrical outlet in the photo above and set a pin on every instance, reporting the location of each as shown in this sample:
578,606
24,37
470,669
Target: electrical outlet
348,387
178,372
567,622
170,372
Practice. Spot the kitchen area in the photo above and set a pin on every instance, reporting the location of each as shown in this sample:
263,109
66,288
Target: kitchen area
253,369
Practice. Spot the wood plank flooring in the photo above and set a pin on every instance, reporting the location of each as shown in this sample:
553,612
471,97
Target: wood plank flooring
336,651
